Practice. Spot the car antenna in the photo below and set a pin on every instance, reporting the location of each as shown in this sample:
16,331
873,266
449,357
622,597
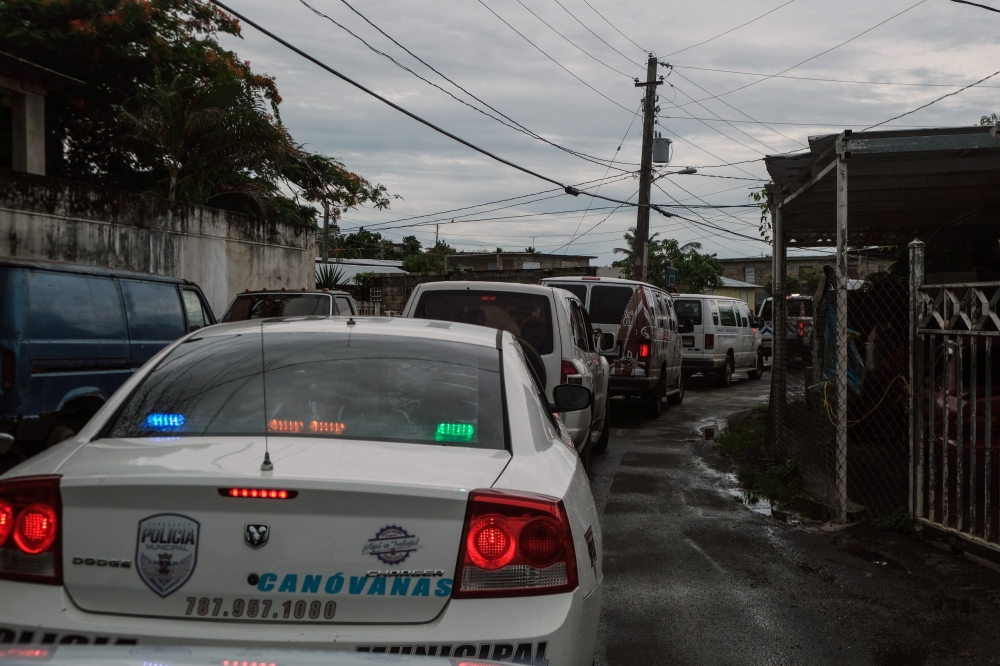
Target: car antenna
265,466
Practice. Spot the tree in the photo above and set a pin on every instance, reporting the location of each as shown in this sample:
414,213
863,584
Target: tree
166,110
694,270
410,246
363,244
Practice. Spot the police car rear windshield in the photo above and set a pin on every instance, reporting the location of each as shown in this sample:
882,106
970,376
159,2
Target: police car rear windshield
325,385
688,309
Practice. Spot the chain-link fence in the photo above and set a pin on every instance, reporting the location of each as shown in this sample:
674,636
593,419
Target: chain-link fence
862,468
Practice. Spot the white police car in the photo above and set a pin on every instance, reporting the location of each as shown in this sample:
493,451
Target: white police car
374,485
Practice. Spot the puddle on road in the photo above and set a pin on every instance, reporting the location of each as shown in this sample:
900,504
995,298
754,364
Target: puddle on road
859,551
760,505
710,428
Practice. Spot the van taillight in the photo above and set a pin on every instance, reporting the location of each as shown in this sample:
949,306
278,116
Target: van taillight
30,529
6,371
802,329
710,341
643,350
515,544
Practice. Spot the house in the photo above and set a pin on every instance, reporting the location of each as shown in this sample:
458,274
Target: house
745,291
492,261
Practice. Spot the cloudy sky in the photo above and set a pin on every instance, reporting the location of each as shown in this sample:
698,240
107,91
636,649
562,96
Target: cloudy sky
567,77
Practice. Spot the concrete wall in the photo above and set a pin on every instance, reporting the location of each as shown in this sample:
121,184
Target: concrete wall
223,252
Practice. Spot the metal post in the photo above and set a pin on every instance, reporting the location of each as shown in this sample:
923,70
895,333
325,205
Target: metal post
779,364
326,232
841,348
645,172
916,381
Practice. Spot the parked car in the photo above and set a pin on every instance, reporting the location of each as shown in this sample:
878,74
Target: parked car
264,304
645,355
408,490
71,335
554,322
798,325
720,336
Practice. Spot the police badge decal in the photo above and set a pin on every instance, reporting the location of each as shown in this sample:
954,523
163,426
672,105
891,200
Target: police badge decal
166,551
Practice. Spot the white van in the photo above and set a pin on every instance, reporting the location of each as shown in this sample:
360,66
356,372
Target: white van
720,336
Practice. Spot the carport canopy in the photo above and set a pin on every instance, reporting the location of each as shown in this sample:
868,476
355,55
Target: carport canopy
901,185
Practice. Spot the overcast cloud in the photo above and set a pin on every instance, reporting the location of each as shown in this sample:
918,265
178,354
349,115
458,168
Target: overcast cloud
935,42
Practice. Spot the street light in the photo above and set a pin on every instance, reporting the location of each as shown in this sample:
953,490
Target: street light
683,172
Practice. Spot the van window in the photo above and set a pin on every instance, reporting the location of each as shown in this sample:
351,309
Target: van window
65,310
344,306
154,311
741,312
726,314
715,312
765,312
196,316
578,290
607,304
528,316
690,309
581,332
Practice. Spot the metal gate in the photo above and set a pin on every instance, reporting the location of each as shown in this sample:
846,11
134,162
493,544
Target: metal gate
955,407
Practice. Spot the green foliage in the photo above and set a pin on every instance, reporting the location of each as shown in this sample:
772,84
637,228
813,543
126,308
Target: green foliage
898,521
695,271
778,483
423,263
742,436
411,245
167,111
361,278
759,197
330,276
364,244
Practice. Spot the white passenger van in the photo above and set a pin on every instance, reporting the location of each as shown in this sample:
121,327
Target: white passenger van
720,336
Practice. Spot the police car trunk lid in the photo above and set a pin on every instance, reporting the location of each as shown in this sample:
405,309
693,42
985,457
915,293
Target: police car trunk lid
152,528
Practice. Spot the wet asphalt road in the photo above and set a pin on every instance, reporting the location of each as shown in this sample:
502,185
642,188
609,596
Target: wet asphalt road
693,576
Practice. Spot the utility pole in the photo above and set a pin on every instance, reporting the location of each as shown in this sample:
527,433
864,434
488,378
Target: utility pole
437,229
326,232
646,170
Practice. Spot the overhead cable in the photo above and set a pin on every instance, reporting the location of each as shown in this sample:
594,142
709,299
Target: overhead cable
686,48
814,78
613,26
559,64
596,35
512,124
951,94
976,4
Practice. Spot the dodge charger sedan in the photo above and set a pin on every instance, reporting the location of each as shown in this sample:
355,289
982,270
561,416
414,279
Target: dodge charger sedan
373,485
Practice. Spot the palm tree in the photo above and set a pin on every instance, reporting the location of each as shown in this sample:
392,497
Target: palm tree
687,247
629,237
330,276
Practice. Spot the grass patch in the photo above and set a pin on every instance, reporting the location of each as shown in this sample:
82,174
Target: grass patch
899,521
778,483
742,437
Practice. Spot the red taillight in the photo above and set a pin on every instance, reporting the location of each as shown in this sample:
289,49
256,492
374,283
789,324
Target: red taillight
6,371
487,297
515,544
643,350
710,341
802,329
568,370
31,513
259,493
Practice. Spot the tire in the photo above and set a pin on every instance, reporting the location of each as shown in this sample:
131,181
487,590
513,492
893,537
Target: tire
59,434
602,442
758,370
725,376
654,400
678,398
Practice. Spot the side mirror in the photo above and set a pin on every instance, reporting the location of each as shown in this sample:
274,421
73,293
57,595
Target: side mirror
607,343
686,326
571,398
5,442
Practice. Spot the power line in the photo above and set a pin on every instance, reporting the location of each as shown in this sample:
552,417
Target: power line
730,30
704,221
572,43
832,48
813,78
613,26
976,4
596,35
753,122
716,129
560,65
568,189
931,102
513,124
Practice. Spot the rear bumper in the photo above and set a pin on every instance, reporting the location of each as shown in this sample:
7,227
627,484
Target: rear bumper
618,385
700,364
559,628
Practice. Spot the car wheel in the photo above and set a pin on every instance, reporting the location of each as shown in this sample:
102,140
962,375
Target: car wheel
678,398
59,434
725,376
602,442
654,400
758,370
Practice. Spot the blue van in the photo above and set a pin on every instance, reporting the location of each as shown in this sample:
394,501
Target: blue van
71,335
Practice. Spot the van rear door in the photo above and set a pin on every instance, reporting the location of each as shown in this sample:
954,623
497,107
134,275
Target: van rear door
155,317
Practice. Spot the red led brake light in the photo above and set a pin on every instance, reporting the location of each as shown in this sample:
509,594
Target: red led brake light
279,425
644,350
31,529
591,279
334,427
259,493
515,544
487,298
802,329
